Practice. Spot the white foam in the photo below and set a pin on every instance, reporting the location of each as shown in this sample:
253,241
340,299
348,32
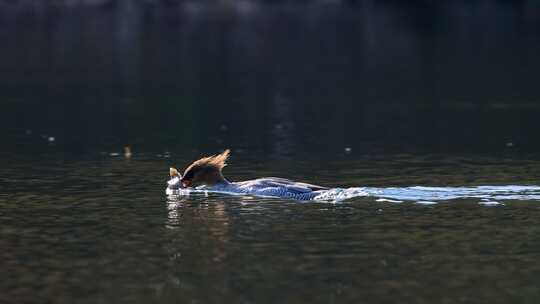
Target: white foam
426,203
490,203
388,200
489,195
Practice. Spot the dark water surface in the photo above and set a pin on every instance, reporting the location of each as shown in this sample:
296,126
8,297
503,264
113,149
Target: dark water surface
279,75
102,230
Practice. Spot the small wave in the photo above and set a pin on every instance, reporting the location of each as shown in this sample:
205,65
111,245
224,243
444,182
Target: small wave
427,195
487,195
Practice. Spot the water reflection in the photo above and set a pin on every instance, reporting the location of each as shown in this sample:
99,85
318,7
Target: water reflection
174,215
209,214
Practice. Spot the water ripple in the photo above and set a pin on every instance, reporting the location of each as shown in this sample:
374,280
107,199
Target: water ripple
418,194
437,194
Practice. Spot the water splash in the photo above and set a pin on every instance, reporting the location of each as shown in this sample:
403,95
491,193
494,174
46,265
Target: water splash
487,195
430,195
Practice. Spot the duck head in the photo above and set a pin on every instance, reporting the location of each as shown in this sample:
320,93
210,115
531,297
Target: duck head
205,171
175,182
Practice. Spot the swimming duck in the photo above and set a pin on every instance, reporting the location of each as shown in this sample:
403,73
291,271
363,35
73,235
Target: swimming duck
206,173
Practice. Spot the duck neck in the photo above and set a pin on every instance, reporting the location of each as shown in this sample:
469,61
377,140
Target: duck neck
223,182
219,180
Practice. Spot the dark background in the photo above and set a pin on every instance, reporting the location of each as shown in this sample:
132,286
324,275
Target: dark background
283,76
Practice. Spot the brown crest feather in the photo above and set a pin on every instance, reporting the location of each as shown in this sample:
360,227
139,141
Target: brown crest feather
215,161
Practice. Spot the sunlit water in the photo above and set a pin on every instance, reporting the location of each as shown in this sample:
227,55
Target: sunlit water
420,194
102,230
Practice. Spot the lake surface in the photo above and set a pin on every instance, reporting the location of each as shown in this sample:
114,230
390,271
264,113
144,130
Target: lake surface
424,114
102,230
